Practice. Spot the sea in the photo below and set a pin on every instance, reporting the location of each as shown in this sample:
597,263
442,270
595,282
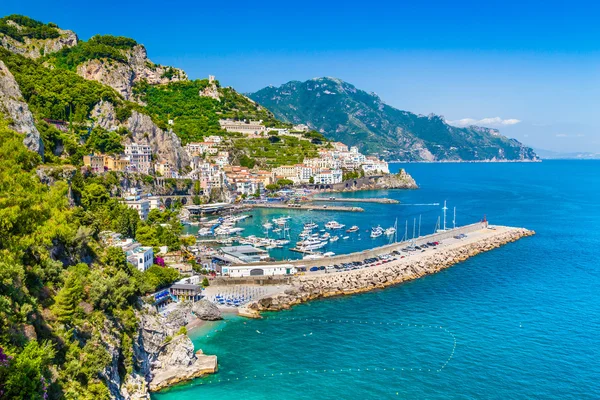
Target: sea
518,322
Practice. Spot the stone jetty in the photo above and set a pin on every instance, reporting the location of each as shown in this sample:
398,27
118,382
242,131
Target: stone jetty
452,251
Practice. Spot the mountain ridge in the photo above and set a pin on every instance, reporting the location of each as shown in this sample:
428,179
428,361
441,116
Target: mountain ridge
360,118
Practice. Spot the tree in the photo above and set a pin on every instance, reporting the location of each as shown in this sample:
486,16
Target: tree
67,299
272,187
25,375
205,282
94,196
116,258
285,182
311,179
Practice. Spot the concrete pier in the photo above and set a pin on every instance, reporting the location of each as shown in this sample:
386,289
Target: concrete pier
308,207
380,200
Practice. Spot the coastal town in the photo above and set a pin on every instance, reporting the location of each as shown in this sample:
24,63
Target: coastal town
211,166
143,211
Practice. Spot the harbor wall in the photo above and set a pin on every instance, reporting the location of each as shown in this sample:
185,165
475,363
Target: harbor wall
359,256
312,286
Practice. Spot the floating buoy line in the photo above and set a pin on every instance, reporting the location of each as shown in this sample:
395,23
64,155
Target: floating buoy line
214,379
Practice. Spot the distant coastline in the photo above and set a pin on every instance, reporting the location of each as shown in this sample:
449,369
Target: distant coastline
463,161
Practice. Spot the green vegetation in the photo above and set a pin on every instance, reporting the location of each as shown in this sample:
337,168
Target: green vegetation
98,47
56,93
160,277
55,279
196,116
29,28
205,282
289,150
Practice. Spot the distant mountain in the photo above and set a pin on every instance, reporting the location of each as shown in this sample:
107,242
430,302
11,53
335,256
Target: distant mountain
558,155
342,112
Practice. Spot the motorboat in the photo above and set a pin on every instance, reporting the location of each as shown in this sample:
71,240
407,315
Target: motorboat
334,225
311,244
310,225
334,238
390,231
353,229
376,232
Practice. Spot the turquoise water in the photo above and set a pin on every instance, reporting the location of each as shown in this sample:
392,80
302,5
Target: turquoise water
525,317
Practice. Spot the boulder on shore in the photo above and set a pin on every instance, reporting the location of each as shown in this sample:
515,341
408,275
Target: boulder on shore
207,311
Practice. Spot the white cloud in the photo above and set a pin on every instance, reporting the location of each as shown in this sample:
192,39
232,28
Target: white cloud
489,121
567,135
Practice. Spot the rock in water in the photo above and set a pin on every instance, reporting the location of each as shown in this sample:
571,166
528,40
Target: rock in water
178,362
206,311
14,107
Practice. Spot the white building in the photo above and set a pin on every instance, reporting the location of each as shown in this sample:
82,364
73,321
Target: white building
155,202
328,177
142,206
238,271
247,128
140,157
214,139
141,257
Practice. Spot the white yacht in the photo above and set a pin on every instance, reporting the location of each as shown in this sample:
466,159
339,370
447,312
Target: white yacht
310,226
376,232
334,225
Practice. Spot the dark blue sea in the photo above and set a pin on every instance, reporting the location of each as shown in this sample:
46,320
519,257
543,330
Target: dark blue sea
519,322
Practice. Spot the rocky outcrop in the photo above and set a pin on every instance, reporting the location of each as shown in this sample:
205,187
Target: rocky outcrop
14,107
165,144
310,287
206,311
401,180
105,115
36,48
211,91
165,358
178,362
121,76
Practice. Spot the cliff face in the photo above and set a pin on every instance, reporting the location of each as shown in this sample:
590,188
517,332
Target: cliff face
13,106
165,144
121,76
36,48
161,357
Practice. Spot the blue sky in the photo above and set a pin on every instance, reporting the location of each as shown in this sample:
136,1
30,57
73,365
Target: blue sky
493,62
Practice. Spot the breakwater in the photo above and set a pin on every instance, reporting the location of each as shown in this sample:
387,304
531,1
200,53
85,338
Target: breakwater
308,207
380,200
312,286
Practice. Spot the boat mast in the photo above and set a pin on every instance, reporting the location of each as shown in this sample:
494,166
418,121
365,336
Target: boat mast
414,227
419,226
396,231
406,232
445,208
454,219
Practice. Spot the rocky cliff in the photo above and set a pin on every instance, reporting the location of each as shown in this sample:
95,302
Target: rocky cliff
161,356
33,39
14,107
122,75
142,130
